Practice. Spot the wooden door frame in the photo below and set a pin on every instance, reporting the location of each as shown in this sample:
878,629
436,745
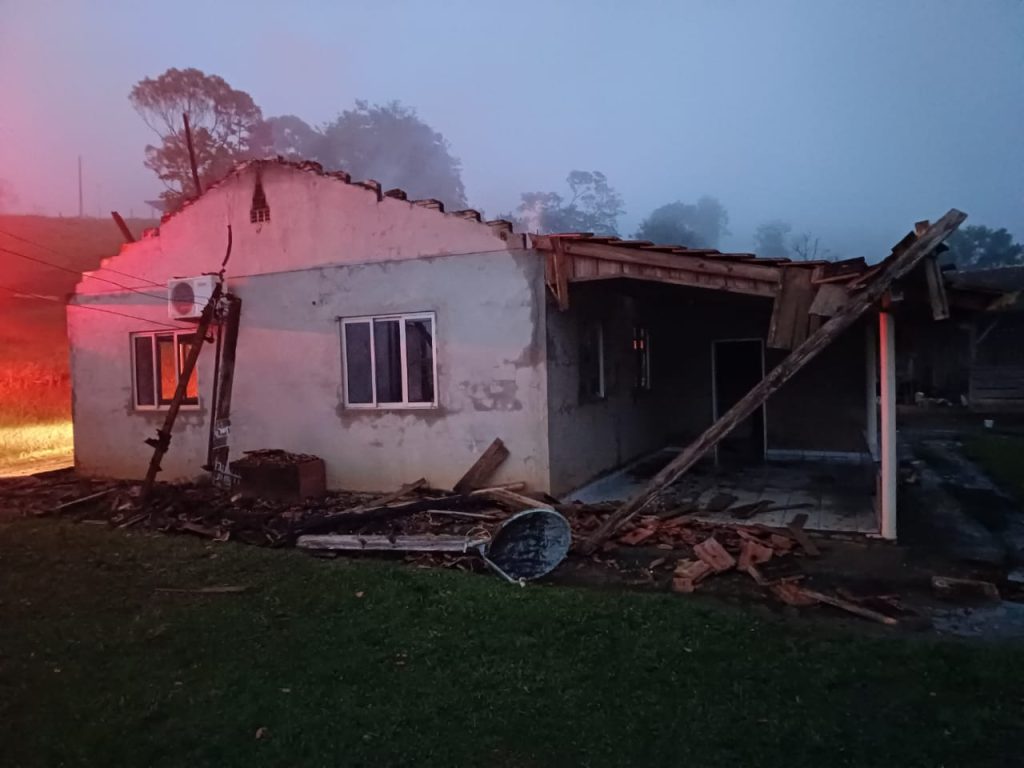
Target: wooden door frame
714,389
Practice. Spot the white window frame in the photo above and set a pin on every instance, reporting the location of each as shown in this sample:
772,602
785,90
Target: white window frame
401,318
158,406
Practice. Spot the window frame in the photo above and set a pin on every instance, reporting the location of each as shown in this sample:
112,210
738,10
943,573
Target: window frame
643,371
155,367
401,318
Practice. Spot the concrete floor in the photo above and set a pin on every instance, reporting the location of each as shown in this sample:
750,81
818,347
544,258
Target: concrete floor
835,496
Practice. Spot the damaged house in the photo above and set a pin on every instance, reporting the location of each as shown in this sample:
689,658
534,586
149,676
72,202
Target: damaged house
396,340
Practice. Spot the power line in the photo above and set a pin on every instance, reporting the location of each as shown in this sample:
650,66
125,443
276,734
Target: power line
29,294
46,263
58,253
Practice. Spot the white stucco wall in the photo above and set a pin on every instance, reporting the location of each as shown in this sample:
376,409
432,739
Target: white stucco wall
315,220
489,305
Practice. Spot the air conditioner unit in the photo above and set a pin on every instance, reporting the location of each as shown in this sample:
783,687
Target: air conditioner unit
188,296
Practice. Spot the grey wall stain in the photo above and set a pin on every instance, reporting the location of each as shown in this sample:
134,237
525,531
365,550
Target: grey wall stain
494,395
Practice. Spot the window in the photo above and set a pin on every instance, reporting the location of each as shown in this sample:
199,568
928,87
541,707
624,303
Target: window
642,357
259,212
389,361
157,362
592,383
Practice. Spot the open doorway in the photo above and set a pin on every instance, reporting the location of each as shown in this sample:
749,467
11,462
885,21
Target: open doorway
737,365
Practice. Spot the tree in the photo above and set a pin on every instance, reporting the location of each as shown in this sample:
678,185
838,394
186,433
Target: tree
222,121
389,143
981,247
808,247
593,206
770,239
288,136
695,226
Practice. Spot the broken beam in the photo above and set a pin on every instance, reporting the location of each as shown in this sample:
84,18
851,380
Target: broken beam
483,468
797,359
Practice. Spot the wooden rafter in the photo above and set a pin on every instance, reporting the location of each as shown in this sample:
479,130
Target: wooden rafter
576,259
893,269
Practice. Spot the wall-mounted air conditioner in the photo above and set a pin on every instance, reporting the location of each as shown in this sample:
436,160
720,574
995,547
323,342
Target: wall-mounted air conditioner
187,296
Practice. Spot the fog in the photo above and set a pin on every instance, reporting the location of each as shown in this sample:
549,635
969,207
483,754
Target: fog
850,120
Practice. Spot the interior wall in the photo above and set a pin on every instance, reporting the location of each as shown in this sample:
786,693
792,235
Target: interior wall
821,409
591,435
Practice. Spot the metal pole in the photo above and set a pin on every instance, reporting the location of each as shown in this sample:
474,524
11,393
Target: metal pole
191,154
81,206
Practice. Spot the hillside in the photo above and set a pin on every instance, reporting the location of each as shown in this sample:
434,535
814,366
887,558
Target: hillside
35,393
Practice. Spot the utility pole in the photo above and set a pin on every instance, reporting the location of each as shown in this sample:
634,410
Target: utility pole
81,208
191,154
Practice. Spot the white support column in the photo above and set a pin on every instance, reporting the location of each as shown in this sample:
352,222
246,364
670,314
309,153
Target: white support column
871,391
887,490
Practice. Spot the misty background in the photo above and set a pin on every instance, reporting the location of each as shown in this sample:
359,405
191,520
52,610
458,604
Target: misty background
847,121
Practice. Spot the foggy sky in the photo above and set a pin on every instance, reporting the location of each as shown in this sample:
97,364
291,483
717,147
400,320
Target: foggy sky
849,119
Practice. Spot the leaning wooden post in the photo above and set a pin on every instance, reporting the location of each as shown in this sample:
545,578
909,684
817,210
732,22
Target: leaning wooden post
162,441
898,267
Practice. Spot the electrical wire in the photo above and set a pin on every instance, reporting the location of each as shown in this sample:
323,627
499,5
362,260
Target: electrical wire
58,253
29,294
46,263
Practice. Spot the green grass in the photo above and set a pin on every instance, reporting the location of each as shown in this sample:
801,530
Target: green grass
449,669
1002,457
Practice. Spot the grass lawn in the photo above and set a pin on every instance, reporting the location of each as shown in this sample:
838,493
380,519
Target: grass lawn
1002,457
363,663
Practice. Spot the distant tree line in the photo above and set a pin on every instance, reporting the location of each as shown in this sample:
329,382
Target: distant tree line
390,143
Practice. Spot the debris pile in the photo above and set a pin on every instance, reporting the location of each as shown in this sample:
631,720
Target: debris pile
766,554
501,526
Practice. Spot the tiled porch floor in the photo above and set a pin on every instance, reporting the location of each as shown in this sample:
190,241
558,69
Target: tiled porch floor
835,496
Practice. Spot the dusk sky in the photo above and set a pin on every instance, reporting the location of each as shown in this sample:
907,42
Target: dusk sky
849,119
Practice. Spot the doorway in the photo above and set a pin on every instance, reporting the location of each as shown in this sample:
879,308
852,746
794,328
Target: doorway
737,365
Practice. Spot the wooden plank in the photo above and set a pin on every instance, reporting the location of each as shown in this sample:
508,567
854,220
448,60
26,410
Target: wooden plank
707,264
688,574
849,607
788,327
791,594
948,587
753,552
483,468
937,296
714,554
839,271
75,502
387,498
515,500
796,529
162,441
692,280
427,542
561,270
828,300
583,267
778,376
